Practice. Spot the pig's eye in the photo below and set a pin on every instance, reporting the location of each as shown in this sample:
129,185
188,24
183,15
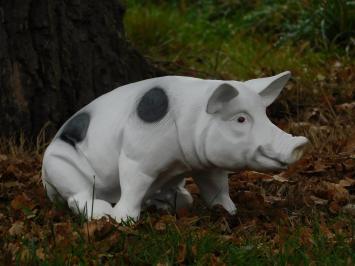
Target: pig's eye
241,119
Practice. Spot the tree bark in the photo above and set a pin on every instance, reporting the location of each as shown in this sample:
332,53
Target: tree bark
58,55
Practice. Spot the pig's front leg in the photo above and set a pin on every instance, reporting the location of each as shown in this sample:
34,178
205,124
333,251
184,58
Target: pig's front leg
214,189
134,186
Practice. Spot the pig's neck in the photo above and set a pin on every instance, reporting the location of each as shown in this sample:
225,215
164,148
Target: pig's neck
192,132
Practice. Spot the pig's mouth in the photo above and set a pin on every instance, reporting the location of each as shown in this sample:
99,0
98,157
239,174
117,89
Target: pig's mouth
286,155
271,161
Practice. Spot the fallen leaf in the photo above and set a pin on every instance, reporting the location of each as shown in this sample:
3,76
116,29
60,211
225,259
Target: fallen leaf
253,176
332,191
25,255
40,254
181,253
160,226
188,221
128,230
320,77
16,229
318,201
279,178
194,250
22,201
350,144
326,232
306,236
162,264
334,207
345,106
215,261
97,229
347,182
251,200
182,212
3,157
349,209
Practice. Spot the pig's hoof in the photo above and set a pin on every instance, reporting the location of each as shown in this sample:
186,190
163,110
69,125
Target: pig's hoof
232,211
98,213
230,208
122,215
91,209
227,204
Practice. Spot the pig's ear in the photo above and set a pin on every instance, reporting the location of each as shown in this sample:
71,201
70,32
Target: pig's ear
269,88
219,97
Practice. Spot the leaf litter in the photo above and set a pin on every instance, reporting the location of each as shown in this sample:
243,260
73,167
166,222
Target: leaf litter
271,207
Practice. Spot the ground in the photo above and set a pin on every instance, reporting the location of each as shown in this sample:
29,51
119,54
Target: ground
301,216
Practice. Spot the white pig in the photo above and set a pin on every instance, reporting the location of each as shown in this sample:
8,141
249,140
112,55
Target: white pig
135,145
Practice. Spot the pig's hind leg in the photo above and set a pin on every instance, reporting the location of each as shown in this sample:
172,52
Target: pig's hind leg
214,189
171,197
67,176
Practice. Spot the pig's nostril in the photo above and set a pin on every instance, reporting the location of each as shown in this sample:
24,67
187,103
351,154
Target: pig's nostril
299,150
297,153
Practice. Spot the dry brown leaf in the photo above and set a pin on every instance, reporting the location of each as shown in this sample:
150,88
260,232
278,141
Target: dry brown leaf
162,264
334,207
253,176
181,253
326,232
318,201
182,212
168,219
215,261
25,255
16,229
12,184
3,157
279,178
12,171
350,144
95,228
194,250
128,230
345,106
22,201
40,254
251,200
12,248
306,236
347,182
349,209
160,226
224,225
188,221
332,191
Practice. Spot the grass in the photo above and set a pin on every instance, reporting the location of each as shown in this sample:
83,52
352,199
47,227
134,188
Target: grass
177,243
193,40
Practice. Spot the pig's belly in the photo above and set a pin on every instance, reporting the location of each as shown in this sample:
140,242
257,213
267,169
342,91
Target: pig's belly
159,189
163,185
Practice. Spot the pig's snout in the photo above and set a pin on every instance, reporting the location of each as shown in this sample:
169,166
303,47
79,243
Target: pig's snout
284,151
297,149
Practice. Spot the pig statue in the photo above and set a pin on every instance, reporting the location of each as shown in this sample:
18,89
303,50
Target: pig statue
134,146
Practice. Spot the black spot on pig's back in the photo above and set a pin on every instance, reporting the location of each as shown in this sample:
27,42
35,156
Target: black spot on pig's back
75,130
153,106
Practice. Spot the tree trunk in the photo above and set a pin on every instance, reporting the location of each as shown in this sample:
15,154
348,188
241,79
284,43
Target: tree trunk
58,55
